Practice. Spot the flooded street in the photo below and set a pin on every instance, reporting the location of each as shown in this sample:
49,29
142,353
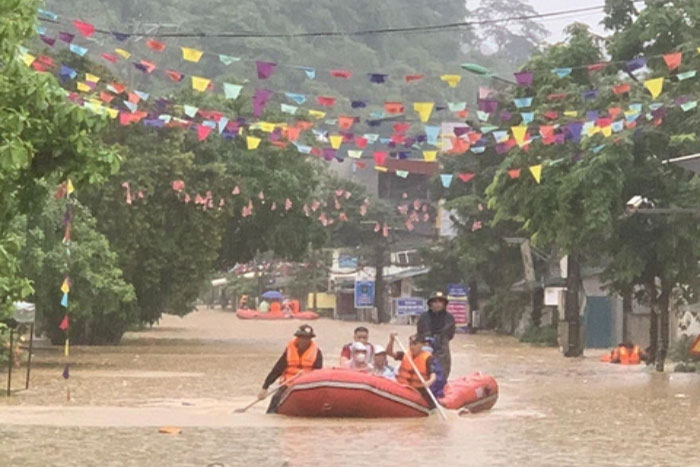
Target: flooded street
193,372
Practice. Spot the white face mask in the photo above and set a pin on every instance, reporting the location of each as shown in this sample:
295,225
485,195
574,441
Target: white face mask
360,357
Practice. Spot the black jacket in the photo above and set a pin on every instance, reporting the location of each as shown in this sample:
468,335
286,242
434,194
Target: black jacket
440,326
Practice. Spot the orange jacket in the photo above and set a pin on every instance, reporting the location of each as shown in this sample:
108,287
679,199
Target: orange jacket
628,357
407,374
296,362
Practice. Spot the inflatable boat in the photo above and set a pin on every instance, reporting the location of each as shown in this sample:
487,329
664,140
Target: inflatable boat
339,392
254,314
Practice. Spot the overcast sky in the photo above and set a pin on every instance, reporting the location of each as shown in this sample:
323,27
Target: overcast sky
557,24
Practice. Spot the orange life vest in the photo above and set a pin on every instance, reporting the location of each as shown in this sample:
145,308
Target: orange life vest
628,357
275,307
296,362
407,374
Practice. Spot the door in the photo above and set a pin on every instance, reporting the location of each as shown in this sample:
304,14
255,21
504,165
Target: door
598,322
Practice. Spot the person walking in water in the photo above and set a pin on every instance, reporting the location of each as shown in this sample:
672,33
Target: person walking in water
301,354
438,324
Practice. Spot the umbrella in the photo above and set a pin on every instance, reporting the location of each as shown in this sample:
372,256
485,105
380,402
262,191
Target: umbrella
272,295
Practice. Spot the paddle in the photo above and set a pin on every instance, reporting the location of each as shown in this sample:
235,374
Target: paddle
422,380
269,393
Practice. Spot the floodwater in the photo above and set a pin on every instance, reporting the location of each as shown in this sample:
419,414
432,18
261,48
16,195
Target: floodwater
193,372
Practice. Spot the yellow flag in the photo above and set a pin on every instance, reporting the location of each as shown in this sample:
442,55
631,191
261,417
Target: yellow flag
536,171
593,130
267,127
82,87
519,133
317,114
655,86
191,55
113,113
28,59
429,156
65,287
424,110
69,187
252,141
123,53
380,168
571,113
91,78
606,130
452,80
336,141
66,348
200,84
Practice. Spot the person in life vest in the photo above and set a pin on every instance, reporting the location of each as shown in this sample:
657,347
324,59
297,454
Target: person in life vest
440,325
625,354
423,361
301,354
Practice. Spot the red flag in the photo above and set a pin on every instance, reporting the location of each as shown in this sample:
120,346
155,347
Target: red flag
551,115
118,88
155,45
64,323
360,165
178,185
150,66
597,66
174,75
361,142
203,132
673,60
110,57
614,111
341,73
401,127
621,89
393,107
410,78
345,122
379,157
465,177
326,101
514,173
86,29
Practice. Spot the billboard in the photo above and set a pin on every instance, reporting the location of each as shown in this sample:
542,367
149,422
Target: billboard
364,294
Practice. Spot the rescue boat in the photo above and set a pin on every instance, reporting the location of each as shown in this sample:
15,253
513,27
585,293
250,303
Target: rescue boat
337,392
254,314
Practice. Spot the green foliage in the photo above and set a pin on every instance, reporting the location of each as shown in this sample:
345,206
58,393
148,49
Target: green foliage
679,350
100,306
545,336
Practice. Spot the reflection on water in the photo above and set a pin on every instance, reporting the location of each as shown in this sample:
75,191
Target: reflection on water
194,372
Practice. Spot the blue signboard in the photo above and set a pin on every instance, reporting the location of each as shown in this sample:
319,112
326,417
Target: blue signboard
457,291
364,294
347,262
409,306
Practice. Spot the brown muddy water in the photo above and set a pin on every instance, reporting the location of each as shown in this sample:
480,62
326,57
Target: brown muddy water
193,372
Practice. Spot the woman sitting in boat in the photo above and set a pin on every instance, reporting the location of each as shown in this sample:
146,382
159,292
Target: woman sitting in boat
423,361
359,359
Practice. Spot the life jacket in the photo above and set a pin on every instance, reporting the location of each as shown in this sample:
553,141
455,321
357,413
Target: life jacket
628,357
275,307
406,373
296,362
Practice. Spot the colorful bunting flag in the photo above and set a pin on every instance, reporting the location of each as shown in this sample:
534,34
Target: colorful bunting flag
451,80
174,75
191,55
232,91
524,78
341,74
424,109
265,69
86,29
446,180
252,142
122,53
155,45
227,60
76,49
200,84
336,141
536,171
655,86
673,60
465,177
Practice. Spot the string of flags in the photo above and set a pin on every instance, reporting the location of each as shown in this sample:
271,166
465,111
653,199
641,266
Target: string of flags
65,190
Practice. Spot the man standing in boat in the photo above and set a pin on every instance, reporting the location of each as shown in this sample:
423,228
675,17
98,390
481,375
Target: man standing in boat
301,354
438,324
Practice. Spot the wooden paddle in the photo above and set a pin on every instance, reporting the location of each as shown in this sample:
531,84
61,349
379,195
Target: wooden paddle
442,413
269,393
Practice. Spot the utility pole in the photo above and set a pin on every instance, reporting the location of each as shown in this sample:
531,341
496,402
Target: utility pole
571,308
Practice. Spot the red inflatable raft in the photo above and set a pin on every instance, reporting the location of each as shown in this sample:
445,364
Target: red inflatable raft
254,314
346,393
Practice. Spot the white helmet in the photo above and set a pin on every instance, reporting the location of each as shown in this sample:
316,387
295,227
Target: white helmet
378,349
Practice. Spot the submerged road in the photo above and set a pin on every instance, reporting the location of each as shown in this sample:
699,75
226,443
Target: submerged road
193,372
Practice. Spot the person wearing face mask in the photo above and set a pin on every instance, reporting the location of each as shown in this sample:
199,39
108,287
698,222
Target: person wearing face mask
360,335
359,360
438,324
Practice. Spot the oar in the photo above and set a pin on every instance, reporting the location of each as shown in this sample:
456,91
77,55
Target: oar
269,393
442,413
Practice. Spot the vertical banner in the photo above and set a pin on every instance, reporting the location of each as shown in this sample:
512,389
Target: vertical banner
364,294
458,305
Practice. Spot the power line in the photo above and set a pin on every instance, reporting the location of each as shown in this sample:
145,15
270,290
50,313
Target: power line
435,27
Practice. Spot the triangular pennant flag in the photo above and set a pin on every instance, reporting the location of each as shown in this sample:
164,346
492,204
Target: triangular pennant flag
155,45
340,73
524,78
64,300
265,69
673,60
536,171
655,86
380,157
203,132
451,80
335,140
191,55
123,53
519,133
69,187
686,75
288,109
174,75
446,180
190,111
465,177
232,91
65,286
227,60
86,29
252,142
424,109
354,154
76,49
402,173
562,72
429,156
200,84
514,173
64,323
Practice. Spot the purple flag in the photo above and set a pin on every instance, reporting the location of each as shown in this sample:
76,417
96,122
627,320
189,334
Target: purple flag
66,372
590,94
66,36
374,122
680,100
501,148
636,64
404,154
265,69
154,122
120,36
140,67
259,101
358,104
659,113
329,154
573,131
591,115
460,130
505,116
377,78
488,105
439,108
524,78
48,40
